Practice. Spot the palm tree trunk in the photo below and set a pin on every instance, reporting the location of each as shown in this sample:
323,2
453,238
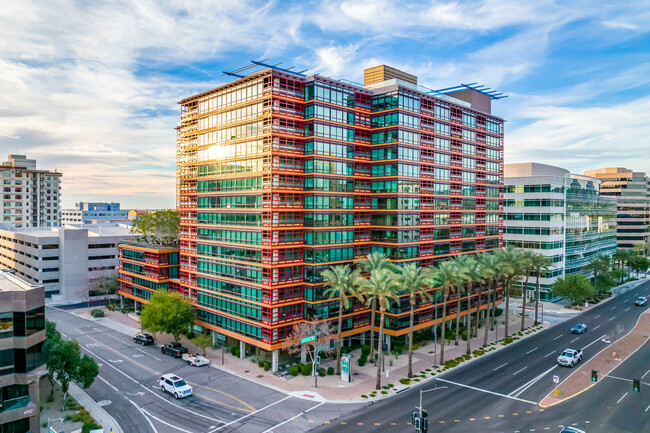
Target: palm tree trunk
537,299
523,301
507,305
444,322
495,284
457,317
487,316
338,342
372,330
381,335
412,316
469,318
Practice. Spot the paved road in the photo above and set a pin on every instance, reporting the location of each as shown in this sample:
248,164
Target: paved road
128,378
504,388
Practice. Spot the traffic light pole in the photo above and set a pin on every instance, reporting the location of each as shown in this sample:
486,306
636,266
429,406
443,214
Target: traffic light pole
419,408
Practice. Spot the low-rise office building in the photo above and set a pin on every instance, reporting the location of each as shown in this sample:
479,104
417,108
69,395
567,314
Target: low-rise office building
65,260
559,214
89,213
22,353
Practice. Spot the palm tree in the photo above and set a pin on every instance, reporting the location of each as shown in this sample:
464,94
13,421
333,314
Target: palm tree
600,265
445,276
489,266
372,262
382,286
468,269
341,282
415,281
509,257
526,262
459,289
541,265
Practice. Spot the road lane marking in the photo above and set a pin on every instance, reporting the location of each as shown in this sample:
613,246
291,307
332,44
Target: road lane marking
595,341
559,336
613,308
247,415
525,386
286,421
596,327
646,409
154,357
484,390
314,407
145,417
549,354
597,316
531,351
519,371
612,318
644,374
619,400
628,308
574,340
500,366
107,383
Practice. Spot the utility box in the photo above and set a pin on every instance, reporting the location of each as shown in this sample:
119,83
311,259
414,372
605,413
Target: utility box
346,373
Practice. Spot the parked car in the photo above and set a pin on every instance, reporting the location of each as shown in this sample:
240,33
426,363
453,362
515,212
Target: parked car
143,339
569,357
173,349
195,360
571,430
641,301
580,328
175,386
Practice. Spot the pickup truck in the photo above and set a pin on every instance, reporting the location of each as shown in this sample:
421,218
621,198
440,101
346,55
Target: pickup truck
195,360
173,349
569,357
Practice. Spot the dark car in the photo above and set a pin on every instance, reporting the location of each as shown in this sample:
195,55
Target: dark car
173,349
580,328
143,339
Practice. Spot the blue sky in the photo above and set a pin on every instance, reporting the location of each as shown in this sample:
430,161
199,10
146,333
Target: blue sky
91,88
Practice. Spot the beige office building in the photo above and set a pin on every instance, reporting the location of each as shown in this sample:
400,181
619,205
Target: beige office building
632,192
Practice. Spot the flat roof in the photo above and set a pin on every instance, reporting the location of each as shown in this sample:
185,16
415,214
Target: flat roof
94,230
12,283
150,246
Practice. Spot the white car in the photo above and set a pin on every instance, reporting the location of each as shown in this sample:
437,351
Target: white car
175,386
195,360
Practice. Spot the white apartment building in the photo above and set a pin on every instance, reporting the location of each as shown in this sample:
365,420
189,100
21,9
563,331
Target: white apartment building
65,261
30,197
89,213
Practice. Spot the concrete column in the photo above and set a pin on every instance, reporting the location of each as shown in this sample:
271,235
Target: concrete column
275,363
363,338
242,350
214,337
303,355
135,306
387,338
121,302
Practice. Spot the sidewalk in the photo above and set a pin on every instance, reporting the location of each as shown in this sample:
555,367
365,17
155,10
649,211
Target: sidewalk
331,388
102,417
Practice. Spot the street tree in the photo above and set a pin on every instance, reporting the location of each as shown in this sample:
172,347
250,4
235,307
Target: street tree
202,341
323,333
574,287
526,259
415,281
468,268
167,312
512,271
489,267
541,265
342,286
444,276
599,266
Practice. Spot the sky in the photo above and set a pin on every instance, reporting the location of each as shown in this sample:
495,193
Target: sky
91,88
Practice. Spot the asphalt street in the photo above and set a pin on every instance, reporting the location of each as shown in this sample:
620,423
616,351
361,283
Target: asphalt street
127,387
501,391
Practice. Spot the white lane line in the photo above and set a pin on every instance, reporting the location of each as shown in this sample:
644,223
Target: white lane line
596,327
519,371
549,354
575,339
595,341
136,348
246,416
517,392
531,351
559,336
314,407
619,400
644,374
64,336
145,417
282,423
597,316
612,318
148,390
613,308
108,383
500,366
628,308
646,409
142,351
485,391
166,423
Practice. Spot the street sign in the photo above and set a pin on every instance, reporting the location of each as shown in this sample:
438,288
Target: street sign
346,375
556,379
307,339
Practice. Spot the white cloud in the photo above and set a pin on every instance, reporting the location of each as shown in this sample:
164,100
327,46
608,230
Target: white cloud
620,25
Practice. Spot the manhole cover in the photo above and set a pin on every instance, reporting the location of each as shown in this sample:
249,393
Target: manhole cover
355,374
104,402
246,371
260,375
431,352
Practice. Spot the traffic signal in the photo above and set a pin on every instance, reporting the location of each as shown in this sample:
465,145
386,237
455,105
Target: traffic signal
332,343
594,376
636,383
417,423
425,425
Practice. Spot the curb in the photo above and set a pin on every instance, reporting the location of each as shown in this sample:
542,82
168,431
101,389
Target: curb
102,417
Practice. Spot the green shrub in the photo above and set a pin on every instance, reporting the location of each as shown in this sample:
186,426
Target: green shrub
330,371
294,370
362,361
478,352
233,349
467,357
97,313
364,396
416,346
405,381
260,363
450,363
397,350
384,392
463,335
322,372
111,307
190,334
87,428
306,369
267,365
365,350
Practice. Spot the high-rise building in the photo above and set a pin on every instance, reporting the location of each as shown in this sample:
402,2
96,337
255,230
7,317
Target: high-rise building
632,193
89,213
560,215
31,197
282,175
22,353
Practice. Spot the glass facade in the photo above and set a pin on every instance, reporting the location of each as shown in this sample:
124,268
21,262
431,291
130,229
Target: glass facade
146,268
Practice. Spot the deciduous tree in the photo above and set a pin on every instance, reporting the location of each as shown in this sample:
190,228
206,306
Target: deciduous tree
167,312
